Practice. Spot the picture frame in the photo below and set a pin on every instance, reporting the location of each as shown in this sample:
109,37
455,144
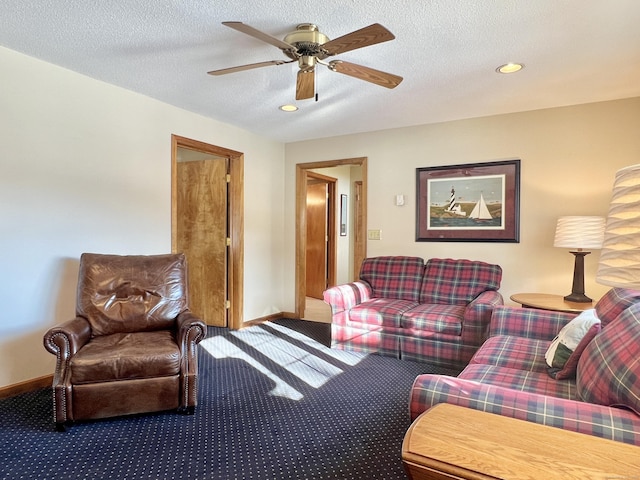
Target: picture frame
344,206
475,202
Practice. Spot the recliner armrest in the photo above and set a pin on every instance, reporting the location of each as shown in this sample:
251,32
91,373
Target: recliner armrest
66,339
190,329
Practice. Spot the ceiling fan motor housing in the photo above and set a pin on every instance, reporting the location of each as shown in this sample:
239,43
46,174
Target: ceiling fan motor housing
308,42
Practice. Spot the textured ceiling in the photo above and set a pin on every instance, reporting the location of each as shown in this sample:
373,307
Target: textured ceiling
575,51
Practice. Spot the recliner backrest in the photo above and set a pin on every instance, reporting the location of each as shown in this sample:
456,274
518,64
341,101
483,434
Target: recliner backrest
131,293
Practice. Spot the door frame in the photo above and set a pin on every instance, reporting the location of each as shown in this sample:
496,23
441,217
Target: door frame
235,200
301,220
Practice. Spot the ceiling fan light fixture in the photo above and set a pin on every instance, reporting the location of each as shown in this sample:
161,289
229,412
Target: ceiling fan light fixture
288,108
510,67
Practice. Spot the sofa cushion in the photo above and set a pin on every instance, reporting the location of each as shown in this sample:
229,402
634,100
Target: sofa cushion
381,311
564,352
457,282
520,353
609,368
588,418
434,318
520,380
614,302
395,277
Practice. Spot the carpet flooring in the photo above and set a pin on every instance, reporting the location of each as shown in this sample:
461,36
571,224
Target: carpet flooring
274,402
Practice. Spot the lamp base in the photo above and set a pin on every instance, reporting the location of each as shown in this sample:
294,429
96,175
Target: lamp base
578,298
577,292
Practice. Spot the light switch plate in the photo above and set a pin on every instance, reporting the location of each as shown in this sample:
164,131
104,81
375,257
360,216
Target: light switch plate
374,234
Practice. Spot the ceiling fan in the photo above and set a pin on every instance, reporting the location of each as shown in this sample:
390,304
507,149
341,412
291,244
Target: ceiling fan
308,46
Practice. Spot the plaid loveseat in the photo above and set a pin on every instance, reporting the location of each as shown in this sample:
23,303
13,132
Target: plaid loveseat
508,375
401,307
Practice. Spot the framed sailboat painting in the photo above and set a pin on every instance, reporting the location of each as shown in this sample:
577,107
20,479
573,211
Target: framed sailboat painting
476,202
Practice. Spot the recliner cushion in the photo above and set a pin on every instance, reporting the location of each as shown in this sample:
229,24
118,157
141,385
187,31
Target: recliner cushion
126,356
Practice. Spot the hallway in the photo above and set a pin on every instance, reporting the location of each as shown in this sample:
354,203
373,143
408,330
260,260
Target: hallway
316,310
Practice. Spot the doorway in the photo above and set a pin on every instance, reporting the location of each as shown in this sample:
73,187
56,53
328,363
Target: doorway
321,240
303,172
207,225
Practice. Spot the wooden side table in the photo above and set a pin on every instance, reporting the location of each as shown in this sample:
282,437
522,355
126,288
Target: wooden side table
547,301
452,442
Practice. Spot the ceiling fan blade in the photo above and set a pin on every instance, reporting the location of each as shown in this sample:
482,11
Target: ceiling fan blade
367,74
364,37
224,71
305,84
255,33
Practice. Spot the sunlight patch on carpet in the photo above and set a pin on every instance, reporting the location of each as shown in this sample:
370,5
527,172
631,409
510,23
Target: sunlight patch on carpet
307,367
345,356
219,347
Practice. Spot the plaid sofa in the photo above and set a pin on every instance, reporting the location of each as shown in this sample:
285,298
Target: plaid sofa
401,307
508,374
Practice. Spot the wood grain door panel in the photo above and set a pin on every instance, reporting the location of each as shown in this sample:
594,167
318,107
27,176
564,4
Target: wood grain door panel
202,235
316,239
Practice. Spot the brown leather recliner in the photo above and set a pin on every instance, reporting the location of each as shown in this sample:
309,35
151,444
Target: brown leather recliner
132,346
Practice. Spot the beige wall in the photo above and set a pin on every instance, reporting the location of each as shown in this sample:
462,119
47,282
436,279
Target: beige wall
85,166
568,157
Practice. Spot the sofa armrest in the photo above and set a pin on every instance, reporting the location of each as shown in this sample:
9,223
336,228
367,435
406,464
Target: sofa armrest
598,420
481,307
344,297
477,316
528,322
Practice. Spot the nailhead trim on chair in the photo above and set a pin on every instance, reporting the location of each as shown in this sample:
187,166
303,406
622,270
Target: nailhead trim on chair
55,347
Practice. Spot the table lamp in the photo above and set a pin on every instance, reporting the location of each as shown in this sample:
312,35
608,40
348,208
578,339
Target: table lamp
579,233
619,264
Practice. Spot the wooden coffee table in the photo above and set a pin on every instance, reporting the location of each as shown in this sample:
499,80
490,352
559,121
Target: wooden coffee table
452,442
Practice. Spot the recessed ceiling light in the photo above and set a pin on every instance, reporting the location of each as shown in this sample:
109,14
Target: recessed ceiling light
288,108
510,68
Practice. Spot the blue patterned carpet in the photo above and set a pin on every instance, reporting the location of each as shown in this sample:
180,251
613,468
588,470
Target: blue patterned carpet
274,403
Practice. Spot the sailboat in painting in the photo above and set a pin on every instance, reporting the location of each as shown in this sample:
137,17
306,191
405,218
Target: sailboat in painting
480,210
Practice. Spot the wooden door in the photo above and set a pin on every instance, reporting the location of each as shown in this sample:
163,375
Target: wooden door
359,246
316,239
202,235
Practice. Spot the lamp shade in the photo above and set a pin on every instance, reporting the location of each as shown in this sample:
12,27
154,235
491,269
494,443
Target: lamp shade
579,232
620,257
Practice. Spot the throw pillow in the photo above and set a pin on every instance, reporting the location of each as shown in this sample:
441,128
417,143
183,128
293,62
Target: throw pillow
609,369
564,352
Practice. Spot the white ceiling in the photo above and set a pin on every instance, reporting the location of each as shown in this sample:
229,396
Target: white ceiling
575,51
